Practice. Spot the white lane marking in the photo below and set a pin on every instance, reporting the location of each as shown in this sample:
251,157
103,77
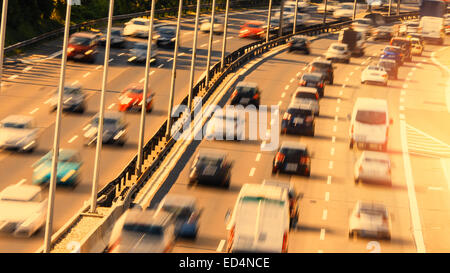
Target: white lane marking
408,79
292,80
357,68
320,251
322,234
229,38
28,68
283,94
142,80
111,106
338,100
73,139
161,65
333,139
403,92
347,79
334,128
181,54
410,73
286,87
335,118
86,75
402,99
252,172
351,73
110,60
298,74
401,108
414,208
324,214
327,196
203,45
332,151
341,92
34,111
151,73
405,85
121,54
99,67
279,103
169,60
13,77
344,85
435,188
75,82
337,109
220,247
330,165
23,180
329,180
258,157
444,165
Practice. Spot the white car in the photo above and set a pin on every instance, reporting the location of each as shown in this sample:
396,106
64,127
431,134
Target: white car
218,27
143,231
226,125
137,27
370,220
374,74
369,125
22,210
306,98
344,10
373,167
338,52
362,25
416,47
19,133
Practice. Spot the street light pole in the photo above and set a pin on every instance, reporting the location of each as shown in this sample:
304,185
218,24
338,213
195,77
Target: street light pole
174,70
269,17
390,6
211,34
295,17
224,43
398,7
102,112
56,137
325,12
280,27
140,154
194,56
354,10
2,37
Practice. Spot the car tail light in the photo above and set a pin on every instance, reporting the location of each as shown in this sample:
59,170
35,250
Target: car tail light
234,94
321,85
230,238
317,96
361,168
358,215
256,96
384,76
353,129
303,160
309,119
385,219
290,43
313,69
285,242
286,116
302,83
279,157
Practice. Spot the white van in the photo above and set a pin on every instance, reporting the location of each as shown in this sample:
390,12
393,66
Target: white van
432,29
369,124
260,220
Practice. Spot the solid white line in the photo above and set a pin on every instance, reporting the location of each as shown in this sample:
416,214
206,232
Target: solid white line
220,247
446,173
73,139
252,172
322,234
34,111
258,157
324,214
414,208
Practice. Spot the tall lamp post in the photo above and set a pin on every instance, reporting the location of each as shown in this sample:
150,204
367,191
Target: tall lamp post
2,37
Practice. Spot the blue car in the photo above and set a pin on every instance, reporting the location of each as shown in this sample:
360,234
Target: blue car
68,172
393,53
185,213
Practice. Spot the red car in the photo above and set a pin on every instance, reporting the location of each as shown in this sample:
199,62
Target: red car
83,47
131,98
252,29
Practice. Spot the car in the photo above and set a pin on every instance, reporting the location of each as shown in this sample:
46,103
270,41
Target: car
205,25
138,54
416,47
253,29
211,167
374,74
259,221
185,211
83,46
292,157
23,210
345,10
226,125
117,38
288,22
447,23
362,24
412,27
338,52
314,79
383,33
393,53
307,97
137,27
68,172
390,66
373,167
143,231
324,67
246,93
114,129
298,119
166,36
300,43
405,45
131,98
370,219
19,132
369,124
74,100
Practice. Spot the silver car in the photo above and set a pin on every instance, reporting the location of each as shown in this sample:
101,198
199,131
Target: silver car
138,54
74,100
373,167
307,97
19,133
370,220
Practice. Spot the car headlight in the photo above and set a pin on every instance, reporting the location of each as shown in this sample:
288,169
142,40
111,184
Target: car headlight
70,49
91,132
90,51
173,39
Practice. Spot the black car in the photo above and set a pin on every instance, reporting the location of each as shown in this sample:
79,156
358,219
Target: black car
299,43
390,66
117,38
114,129
246,93
74,99
324,67
383,33
405,45
211,168
138,54
292,157
316,80
298,119
166,36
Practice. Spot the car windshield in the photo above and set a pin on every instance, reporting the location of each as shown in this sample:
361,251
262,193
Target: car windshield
299,40
151,230
392,49
376,160
401,42
261,199
322,66
299,112
375,68
305,95
13,125
140,23
310,77
387,64
71,91
413,25
338,47
140,46
202,161
116,32
245,89
81,41
371,117
254,26
106,121
290,152
180,212
167,31
135,90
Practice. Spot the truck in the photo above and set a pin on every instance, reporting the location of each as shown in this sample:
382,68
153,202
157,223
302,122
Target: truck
432,29
355,40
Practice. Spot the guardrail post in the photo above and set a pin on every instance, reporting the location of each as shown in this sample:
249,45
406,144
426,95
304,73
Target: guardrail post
2,38
269,16
194,56
398,7
390,6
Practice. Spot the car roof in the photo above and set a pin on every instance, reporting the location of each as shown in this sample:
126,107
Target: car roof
370,205
136,216
375,155
298,104
255,22
179,200
25,192
314,74
320,60
293,145
247,84
304,89
111,115
338,44
210,153
84,34
265,191
135,86
371,104
21,119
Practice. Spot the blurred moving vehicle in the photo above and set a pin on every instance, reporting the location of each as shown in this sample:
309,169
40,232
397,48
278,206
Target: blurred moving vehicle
416,47
302,19
185,212
292,157
307,97
324,67
212,168
412,27
447,23
83,47
362,25
383,33
143,231
218,27
131,98
405,45
138,54
390,66
354,39
369,124
300,43
246,93
370,220
432,29
392,53
117,38
338,52
68,172
114,129
137,27
23,210
373,167
298,119
253,29
18,132
374,74
260,220
74,100
226,125
166,36
315,80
